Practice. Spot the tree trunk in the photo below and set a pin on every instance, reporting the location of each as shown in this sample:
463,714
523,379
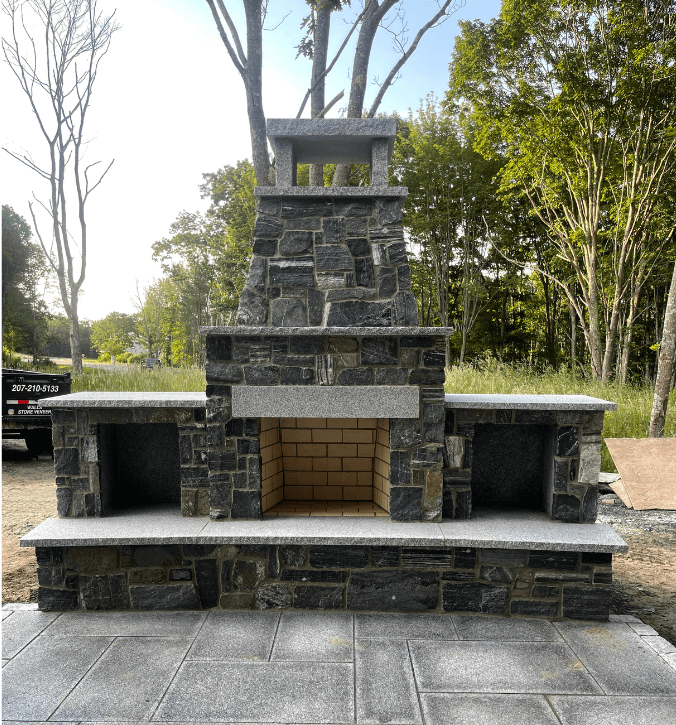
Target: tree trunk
373,14
254,91
320,49
75,352
665,365
573,335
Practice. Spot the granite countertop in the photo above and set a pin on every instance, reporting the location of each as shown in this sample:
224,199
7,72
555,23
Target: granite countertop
494,401
98,399
488,528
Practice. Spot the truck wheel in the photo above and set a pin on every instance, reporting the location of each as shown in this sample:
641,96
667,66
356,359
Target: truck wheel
38,441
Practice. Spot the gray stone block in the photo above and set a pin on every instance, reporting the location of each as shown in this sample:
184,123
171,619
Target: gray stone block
474,597
398,591
288,313
156,597
289,692
40,677
404,309
297,272
576,710
359,313
318,597
253,309
499,667
385,686
314,637
273,596
387,282
104,591
406,503
21,628
441,708
333,257
122,686
295,242
618,659
235,636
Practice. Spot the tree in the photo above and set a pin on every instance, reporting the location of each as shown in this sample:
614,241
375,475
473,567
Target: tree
114,333
24,313
580,97
665,368
249,64
451,200
57,74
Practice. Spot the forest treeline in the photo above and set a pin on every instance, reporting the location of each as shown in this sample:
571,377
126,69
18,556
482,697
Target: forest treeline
541,211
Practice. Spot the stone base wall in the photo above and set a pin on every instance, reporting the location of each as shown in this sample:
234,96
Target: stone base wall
555,585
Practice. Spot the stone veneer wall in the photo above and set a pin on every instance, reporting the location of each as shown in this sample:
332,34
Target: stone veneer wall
321,459
571,459
415,459
77,455
334,261
353,578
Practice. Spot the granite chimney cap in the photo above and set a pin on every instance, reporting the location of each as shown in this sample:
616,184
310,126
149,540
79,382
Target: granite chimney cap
332,140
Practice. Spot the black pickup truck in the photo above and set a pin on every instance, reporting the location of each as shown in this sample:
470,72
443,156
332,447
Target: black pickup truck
22,417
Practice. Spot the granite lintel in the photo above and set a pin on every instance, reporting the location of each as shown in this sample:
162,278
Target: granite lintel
98,399
331,401
493,401
337,192
163,524
328,331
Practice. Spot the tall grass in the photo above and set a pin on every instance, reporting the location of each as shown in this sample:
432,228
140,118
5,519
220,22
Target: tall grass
135,378
630,420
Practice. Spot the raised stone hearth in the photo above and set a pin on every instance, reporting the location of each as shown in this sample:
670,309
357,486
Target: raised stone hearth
325,467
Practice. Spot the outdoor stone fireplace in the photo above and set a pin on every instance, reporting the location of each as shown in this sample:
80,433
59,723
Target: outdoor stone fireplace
325,467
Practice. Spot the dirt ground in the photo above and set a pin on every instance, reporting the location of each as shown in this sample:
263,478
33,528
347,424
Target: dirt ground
644,579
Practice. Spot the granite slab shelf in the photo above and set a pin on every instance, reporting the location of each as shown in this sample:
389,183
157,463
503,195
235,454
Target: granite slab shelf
489,529
249,331
355,192
494,401
97,399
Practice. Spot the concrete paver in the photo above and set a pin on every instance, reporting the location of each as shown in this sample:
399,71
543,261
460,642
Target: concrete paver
472,709
330,668
385,685
619,659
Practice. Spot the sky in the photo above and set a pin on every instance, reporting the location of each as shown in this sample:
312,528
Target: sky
169,106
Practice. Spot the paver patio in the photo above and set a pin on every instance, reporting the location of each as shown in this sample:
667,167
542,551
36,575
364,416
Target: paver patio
330,668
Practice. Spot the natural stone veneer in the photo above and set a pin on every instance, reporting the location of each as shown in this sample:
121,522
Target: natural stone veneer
80,456
554,585
244,356
561,449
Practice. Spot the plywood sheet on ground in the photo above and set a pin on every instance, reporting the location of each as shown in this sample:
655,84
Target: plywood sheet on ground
648,470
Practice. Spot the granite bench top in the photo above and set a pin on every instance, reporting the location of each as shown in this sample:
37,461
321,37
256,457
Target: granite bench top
493,401
98,399
352,192
489,529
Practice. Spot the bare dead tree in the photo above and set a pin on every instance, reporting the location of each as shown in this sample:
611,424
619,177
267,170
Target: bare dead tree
57,74
665,365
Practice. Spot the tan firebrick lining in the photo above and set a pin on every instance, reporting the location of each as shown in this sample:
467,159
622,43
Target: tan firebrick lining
325,460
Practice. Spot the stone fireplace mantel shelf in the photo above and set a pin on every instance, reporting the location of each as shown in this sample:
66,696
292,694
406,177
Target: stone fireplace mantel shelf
491,529
98,399
328,331
493,401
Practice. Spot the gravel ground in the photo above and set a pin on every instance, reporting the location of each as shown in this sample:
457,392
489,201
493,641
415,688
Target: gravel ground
644,578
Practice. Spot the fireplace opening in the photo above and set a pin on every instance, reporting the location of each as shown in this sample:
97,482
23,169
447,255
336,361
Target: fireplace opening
325,466
507,466
139,465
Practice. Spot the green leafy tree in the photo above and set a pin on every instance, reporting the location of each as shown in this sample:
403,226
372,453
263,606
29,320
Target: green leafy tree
24,271
114,333
580,97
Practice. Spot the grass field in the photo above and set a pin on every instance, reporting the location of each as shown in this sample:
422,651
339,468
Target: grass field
630,420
